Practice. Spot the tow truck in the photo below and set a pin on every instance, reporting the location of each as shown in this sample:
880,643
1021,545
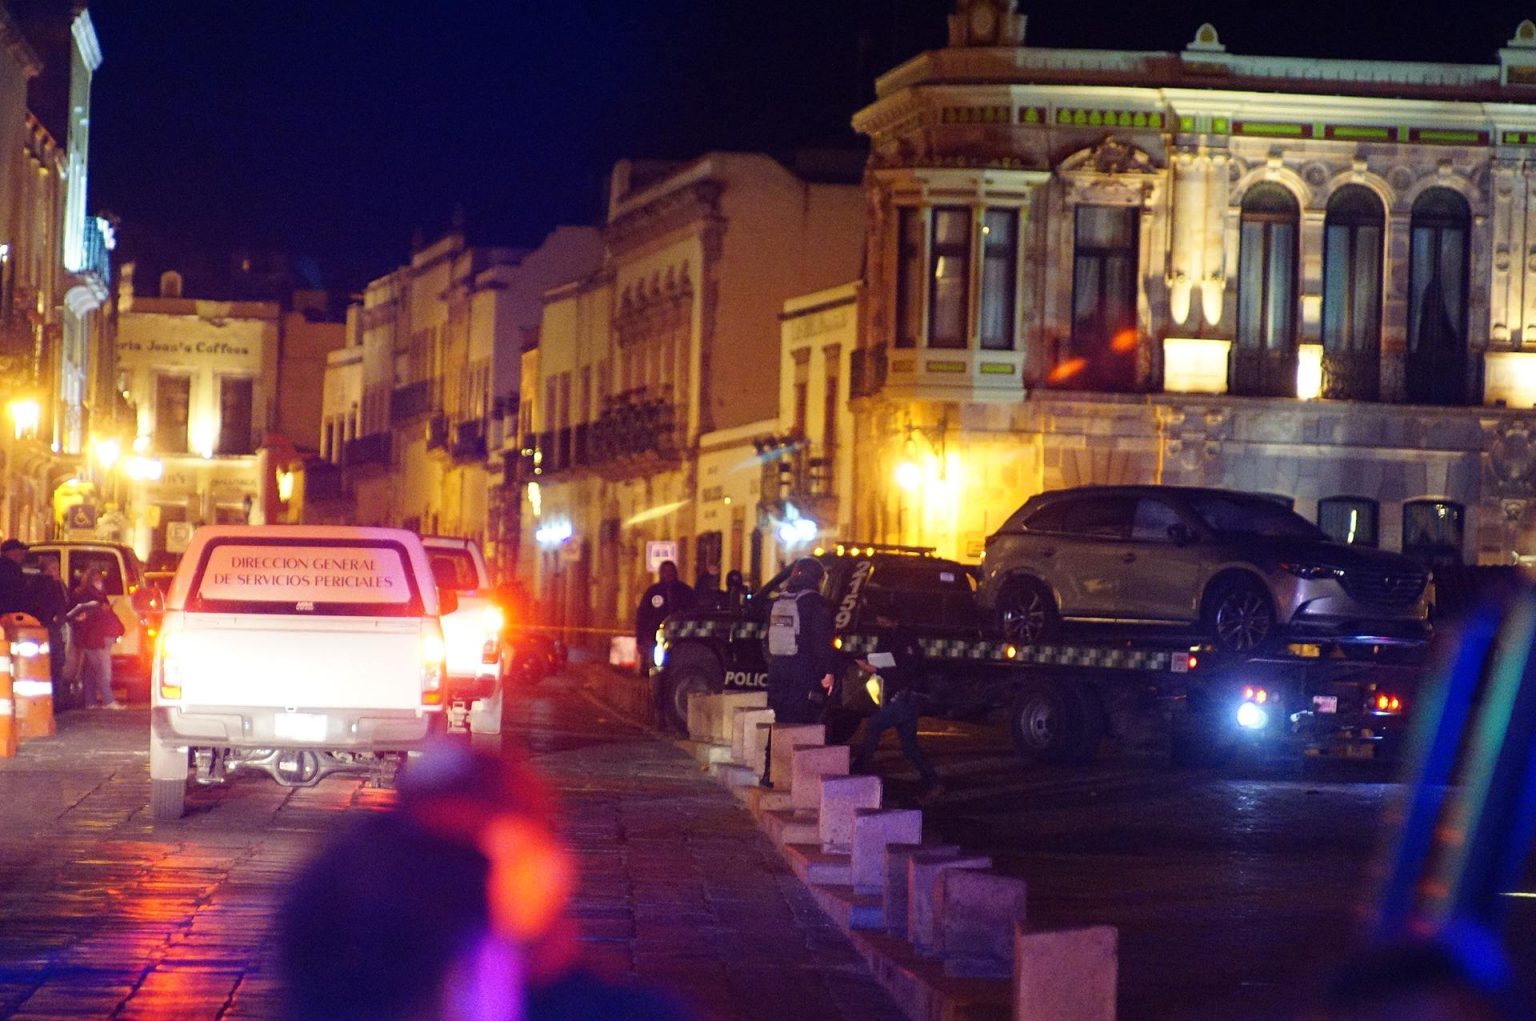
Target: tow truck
1059,700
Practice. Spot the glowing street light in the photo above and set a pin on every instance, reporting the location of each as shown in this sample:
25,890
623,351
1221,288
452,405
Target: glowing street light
908,476
143,469
25,414
108,451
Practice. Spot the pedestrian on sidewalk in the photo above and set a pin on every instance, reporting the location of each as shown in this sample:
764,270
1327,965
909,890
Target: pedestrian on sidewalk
802,663
95,629
49,599
13,584
897,659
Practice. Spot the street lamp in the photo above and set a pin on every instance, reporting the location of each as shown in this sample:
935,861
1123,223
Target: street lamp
25,414
908,476
108,451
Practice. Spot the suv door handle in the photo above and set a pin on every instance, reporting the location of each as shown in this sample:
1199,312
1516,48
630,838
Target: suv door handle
1126,558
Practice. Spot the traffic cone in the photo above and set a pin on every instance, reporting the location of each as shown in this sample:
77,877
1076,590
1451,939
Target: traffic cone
31,677
7,711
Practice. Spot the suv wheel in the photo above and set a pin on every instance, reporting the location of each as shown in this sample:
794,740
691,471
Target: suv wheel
1026,612
1240,618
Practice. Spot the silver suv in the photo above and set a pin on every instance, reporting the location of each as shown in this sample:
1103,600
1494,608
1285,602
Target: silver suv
1241,568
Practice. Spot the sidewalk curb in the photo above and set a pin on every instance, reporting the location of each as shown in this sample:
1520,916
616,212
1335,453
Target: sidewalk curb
925,987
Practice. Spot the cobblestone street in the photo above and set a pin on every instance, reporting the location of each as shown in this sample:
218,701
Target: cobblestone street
103,914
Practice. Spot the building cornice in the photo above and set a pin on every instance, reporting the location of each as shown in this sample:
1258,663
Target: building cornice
674,210
85,38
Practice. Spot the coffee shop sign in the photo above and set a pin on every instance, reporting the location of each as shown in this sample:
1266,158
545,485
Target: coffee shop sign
185,347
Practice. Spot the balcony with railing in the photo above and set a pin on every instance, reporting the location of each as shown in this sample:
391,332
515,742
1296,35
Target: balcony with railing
410,402
635,432
371,451
468,441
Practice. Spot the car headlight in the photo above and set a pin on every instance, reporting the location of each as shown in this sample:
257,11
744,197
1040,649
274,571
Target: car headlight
659,655
1303,569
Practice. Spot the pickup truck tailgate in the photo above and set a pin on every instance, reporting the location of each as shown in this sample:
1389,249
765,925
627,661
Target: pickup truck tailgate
320,662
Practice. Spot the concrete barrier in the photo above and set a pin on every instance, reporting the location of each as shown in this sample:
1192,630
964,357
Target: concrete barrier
1068,975
710,716
808,765
841,797
923,871
978,915
744,726
755,753
785,739
873,830
897,857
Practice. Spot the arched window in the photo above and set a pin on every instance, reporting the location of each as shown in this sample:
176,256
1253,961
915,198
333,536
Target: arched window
1264,357
1352,246
1433,531
1437,298
1348,519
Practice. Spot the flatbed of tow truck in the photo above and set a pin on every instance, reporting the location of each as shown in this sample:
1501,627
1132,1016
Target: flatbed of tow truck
1059,700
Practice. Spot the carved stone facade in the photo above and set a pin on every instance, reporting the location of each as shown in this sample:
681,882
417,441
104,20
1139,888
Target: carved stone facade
1338,256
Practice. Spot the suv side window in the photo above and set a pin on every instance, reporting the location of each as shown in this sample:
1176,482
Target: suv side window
1099,517
1153,519
82,560
1047,518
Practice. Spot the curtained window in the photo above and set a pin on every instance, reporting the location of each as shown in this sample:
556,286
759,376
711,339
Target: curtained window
950,259
1264,356
1437,298
909,278
1104,263
1352,255
999,278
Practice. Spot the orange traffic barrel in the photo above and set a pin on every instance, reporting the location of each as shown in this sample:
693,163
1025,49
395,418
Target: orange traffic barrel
7,711
31,676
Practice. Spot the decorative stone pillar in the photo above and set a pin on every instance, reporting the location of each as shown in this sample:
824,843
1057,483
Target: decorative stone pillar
1213,284
1506,302
1186,260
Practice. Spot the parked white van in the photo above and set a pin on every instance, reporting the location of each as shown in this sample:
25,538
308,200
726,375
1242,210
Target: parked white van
299,651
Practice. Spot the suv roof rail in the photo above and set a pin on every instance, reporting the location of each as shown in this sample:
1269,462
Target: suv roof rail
854,549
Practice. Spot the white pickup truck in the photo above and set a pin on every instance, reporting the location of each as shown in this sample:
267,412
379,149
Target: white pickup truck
298,651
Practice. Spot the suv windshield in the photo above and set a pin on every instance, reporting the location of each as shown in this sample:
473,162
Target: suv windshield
1254,515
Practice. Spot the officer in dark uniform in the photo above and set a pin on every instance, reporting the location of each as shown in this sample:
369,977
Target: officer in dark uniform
662,599
802,664
900,705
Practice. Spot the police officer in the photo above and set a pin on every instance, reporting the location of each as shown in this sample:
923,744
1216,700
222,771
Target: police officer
13,584
802,663
662,599
901,705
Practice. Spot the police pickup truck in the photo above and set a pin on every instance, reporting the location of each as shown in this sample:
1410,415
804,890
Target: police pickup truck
1059,700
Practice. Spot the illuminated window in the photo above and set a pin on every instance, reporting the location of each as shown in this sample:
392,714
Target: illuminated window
1349,519
951,270
1264,357
173,396
1437,298
1433,531
1103,299
1352,247
999,278
909,279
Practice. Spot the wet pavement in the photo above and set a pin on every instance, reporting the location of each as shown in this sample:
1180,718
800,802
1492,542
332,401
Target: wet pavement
1234,889
104,914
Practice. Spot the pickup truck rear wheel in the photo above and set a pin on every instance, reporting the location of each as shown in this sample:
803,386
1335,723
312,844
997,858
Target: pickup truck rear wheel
167,799
1027,613
1052,721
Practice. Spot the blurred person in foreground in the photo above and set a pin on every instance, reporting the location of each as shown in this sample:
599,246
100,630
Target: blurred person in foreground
451,906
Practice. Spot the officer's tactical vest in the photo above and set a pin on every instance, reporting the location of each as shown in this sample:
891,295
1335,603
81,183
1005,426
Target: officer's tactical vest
784,624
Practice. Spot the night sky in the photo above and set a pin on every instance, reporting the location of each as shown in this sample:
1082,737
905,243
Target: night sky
333,130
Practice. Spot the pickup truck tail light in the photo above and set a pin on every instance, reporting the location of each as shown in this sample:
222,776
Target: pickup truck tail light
434,658
168,660
1386,702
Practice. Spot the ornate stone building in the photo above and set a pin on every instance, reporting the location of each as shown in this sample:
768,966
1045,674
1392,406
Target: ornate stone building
1315,278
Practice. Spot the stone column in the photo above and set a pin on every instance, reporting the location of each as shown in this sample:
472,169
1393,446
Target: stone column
1506,300
1213,284
1186,259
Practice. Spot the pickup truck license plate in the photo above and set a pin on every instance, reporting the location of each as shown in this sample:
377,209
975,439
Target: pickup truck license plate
299,726
1325,703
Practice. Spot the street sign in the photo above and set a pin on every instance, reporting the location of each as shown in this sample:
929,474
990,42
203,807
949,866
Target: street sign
178,534
656,552
81,518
